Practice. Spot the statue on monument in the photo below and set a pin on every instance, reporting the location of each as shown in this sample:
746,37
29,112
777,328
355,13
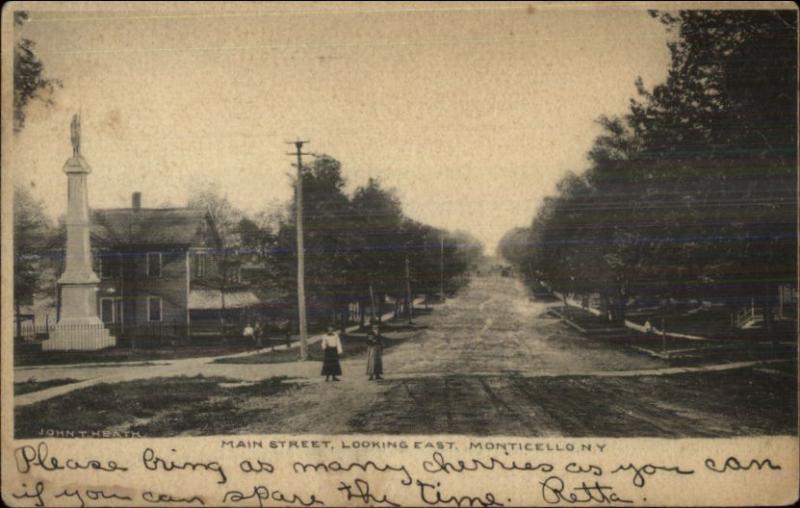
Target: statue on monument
79,327
75,132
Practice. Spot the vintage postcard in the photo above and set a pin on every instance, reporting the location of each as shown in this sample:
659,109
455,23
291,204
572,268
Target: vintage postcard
431,254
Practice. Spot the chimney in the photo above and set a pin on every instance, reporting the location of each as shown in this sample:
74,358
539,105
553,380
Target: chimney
136,201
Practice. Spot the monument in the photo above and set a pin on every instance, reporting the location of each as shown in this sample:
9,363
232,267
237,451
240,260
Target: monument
78,327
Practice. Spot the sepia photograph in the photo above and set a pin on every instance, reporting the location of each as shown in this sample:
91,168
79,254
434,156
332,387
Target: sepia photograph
471,220
414,254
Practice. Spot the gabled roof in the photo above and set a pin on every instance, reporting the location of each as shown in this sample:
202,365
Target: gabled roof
148,226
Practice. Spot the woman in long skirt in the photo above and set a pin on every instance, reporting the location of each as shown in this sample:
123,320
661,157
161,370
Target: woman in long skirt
374,353
331,348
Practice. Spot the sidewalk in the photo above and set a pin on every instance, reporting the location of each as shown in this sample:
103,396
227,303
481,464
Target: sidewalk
389,316
312,339
629,324
660,344
87,375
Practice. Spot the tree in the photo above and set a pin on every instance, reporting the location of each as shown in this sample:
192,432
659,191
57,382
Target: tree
729,109
515,246
29,79
693,191
225,230
461,252
381,246
326,218
32,235
357,246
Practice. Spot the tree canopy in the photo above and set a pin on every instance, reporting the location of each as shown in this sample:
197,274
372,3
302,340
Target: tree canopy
30,81
34,236
693,191
357,245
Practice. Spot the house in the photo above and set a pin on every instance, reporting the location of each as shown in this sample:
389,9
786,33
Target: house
163,274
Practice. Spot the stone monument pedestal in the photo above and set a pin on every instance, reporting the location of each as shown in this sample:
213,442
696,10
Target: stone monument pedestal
78,326
85,335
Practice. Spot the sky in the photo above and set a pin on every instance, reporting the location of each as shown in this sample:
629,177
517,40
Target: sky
472,112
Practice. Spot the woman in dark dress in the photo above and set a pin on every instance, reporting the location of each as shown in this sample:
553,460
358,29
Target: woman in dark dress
374,353
331,348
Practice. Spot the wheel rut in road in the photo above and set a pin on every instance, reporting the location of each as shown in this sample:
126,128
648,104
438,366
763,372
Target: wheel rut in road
493,327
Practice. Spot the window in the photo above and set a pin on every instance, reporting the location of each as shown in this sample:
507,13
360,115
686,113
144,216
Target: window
111,310
119,312
97,261
109,265
154,264
154,308
107,310
200,264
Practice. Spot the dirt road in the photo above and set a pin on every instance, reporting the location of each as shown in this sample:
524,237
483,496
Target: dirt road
490,363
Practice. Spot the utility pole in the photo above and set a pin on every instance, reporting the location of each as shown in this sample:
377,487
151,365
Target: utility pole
371,305
409,303
441,263
301,266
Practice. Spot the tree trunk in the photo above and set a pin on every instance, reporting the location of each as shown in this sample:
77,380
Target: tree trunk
19,318
371,304
768,315
617,305
222,316
604,304
621,305
623,302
